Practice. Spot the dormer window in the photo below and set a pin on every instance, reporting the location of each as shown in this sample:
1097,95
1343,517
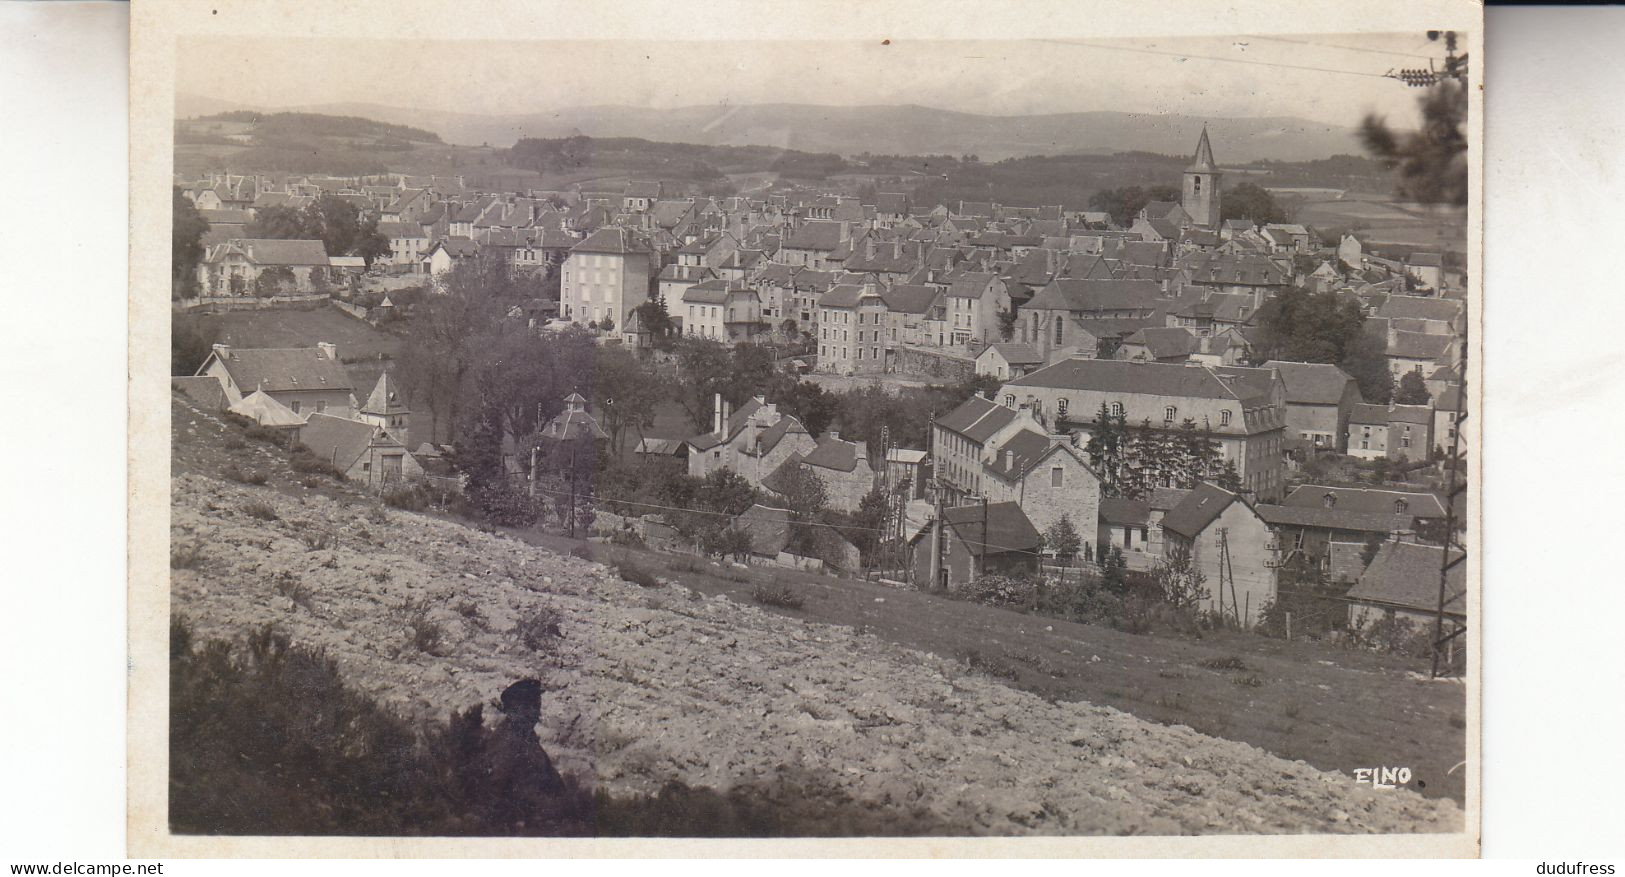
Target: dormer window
1329,500
1224,418
1400,506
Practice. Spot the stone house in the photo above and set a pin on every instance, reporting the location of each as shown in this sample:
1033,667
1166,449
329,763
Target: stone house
844,468
306,379
1403,582
1006,360
976,540
852,329
966,438
1398,432
1319,399
1232,546
915,314
363,451
753,441
234,267
1048,478
975,300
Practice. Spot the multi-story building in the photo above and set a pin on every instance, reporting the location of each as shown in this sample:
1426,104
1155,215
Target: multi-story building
852,329
1242,410
606,275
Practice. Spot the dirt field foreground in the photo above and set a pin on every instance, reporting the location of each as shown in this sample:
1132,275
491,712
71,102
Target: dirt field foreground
650,684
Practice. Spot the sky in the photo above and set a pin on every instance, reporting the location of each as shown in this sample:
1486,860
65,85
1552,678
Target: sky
1329,78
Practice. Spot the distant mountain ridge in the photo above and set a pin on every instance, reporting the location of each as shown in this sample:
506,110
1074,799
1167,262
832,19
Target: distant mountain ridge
900,130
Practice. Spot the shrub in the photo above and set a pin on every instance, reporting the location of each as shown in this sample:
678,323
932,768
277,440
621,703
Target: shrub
781,596
998,590
259,511
1249,681
974,660
302,460
685,563
289,585
422,632
538,628
318,539
638,575
410,497
1227,663
582,551
236,473
234,443
468,609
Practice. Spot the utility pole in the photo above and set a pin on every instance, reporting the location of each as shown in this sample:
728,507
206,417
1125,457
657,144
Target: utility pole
981,559
1444,643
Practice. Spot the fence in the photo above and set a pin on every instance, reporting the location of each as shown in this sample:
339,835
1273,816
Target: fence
245,302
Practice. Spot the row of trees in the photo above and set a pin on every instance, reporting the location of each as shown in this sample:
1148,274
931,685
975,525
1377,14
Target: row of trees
1135,460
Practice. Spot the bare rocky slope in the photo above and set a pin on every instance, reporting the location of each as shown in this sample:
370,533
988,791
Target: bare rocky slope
647,685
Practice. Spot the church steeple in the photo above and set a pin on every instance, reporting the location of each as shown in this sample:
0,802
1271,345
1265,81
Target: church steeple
1203,163
1200,196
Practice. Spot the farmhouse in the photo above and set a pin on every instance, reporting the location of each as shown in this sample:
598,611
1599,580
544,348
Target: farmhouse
305,380
362,451
236,266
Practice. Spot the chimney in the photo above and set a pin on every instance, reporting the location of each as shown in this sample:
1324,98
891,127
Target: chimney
716,414
760,399
329,350
222,350
834,435
1009,459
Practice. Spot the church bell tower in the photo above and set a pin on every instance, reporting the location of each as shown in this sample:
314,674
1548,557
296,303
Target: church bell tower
1201,190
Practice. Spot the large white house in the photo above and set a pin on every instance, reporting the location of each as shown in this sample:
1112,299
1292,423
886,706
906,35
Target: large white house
606,275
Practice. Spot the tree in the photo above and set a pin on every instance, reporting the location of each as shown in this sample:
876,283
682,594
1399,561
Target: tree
1063,538
1432,162
276,223
805,495
188,344
868,522
441,342
1126,203
655,319
272,281
370,243
1007,323
627,391
1412,390
1108,449
1365,358
187,228
1307,326
1251,202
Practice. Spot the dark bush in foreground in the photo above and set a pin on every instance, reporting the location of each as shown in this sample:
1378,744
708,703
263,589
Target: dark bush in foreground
408,497
781,596
244,476
265,738
637,575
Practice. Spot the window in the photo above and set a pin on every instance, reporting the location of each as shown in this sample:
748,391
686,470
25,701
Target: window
321,407
1059,327
1009,400
1060,407
1196,185
295,406
1056,475
1117,409
1400,506
1224,418
1168,414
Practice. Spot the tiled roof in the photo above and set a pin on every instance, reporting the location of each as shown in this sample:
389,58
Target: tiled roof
1332,518
995,528
1204,504
977,418
910,298
1369,500
1018,354
274,252
274,369
611,239
1406,575
1072,294
1116,376
834,453
338,440
816,234
1312,383
1121,510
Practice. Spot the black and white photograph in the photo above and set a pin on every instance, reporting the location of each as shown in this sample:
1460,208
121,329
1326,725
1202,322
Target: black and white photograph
820,431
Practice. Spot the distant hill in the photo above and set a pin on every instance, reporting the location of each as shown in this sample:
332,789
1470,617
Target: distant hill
882,130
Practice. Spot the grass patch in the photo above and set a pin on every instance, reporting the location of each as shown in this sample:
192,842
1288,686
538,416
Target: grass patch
978,663
409,497
780,596
584,552
234,443
1249,681
303,461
